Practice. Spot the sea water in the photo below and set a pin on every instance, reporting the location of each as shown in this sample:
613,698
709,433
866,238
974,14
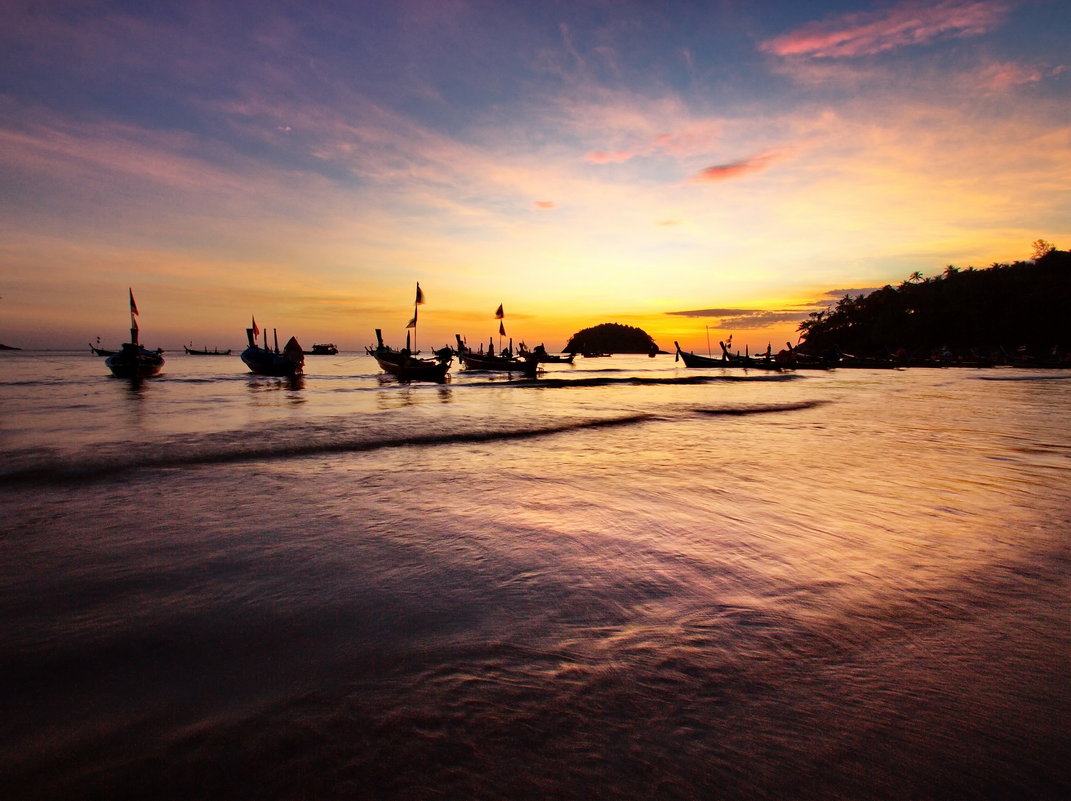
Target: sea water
624,579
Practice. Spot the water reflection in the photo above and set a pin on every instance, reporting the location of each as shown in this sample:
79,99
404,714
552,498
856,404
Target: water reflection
288,384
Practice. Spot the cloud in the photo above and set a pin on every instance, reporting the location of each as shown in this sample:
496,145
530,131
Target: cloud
688,142
544,204
735,169
902,25
1007,75
744,319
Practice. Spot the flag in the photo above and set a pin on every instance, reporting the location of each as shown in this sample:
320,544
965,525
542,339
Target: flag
499,314
419,295
501,329
133,305
256,328
412,323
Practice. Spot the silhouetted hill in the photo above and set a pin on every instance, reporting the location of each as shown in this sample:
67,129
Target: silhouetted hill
610,338
1022,306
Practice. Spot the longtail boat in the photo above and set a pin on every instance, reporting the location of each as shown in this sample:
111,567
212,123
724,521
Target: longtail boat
404,364
727,360
265,361
133,360
205,351
492,363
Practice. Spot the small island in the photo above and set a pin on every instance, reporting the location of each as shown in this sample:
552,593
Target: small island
610,338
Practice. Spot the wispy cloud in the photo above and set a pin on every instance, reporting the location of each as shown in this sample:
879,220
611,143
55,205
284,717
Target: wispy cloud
735,169
681,144
745,319
545,204
1007,75
902,25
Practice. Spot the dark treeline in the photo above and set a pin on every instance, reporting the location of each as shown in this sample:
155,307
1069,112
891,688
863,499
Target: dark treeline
1000,311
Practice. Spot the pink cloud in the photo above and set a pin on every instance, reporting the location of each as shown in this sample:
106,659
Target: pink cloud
909,23
1000,77
609,157
545,204
735,169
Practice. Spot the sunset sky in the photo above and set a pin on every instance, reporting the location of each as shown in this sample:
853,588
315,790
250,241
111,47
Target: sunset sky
670,165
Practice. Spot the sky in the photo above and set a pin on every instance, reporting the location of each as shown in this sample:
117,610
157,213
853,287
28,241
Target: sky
696,169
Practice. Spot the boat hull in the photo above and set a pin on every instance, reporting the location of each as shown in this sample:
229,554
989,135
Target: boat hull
693,360
407,368
266,362
135,362
498,364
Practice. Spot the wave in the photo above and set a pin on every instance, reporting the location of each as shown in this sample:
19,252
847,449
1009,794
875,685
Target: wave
634,380
762,408
1046,377
163,456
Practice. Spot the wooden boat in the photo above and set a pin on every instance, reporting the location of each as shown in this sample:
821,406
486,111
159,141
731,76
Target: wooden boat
489,362
539,353
405,366
206,352
727,360
101,351
265,361
133,360
324,349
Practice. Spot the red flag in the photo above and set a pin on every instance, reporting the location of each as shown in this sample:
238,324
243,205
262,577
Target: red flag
499,314
502,329
256,328
419,295
412,323
133,305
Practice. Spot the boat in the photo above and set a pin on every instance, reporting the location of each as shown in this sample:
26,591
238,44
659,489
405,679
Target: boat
490,362
406,367
265,361
206,352
727,360
502,362
101,351
404,364
324,349
539,353
132,360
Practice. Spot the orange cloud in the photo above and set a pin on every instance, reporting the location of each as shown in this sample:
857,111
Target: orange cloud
545,204
723,172
909,23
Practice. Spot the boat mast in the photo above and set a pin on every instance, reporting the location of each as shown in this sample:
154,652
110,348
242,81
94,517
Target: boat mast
419,299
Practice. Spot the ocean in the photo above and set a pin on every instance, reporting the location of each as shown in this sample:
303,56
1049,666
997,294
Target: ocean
621,580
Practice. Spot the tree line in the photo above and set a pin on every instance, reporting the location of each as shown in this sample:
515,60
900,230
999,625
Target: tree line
1019,308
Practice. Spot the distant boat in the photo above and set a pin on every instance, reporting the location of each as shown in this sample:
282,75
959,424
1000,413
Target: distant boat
327,349
264,361
206,352
133,360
